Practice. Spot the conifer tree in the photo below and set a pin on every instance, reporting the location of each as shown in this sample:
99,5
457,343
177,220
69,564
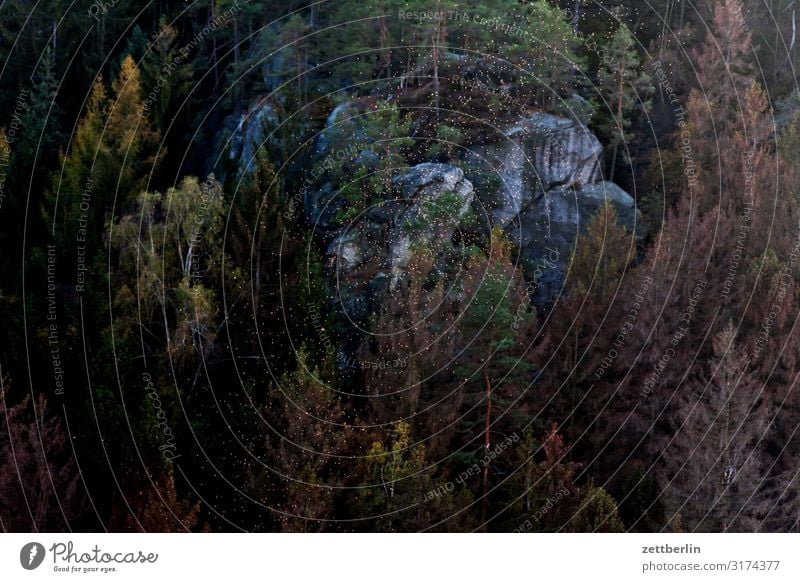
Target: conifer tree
42,488
41,135
714,108
108,162
166,76
314,433
582,330
714,476
625,87
495,324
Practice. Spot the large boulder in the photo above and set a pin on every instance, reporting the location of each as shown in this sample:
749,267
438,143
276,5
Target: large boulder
341,128
546,232
542,183
563,152
368,258
252,131
437,197
426,204
505,179
340,148
535,155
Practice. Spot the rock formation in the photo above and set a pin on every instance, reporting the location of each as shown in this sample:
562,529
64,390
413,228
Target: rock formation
541,182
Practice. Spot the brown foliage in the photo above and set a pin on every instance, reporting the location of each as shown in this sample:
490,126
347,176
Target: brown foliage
38,474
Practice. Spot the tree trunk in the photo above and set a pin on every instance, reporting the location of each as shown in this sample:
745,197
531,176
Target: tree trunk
791,50
257,289
213,47
576,16
383,33
613,162
436,70
235,41
486,444
619,125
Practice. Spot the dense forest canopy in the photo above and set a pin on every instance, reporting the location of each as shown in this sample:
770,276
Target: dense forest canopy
399,265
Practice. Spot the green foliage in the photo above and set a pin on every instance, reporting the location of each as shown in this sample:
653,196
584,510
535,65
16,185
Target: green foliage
448,138
625,88
436,213
170,253
41,133
398,479
598,513
111,155
385,134
492,317
601,256
367,39
492,371
548,51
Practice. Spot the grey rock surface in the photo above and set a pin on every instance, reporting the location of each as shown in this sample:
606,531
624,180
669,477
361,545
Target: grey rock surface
535,155
426,203
547,231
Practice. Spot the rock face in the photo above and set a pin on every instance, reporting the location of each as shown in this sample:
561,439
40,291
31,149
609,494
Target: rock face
426,204
340,128
251,132
546,232
368,257
563,153
341,147
438,198
541,182
536,155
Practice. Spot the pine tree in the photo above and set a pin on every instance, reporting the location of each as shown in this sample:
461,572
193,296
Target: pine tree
582,329
41,134
496,321
166,76
85,160
641,505
111,156
714,111
601,256
129,135
294,48
368,37
547,57
624,87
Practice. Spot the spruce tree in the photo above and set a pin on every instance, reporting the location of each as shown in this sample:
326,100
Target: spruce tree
714,465
625,87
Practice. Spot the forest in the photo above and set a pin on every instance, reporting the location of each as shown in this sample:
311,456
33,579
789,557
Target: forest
399,266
